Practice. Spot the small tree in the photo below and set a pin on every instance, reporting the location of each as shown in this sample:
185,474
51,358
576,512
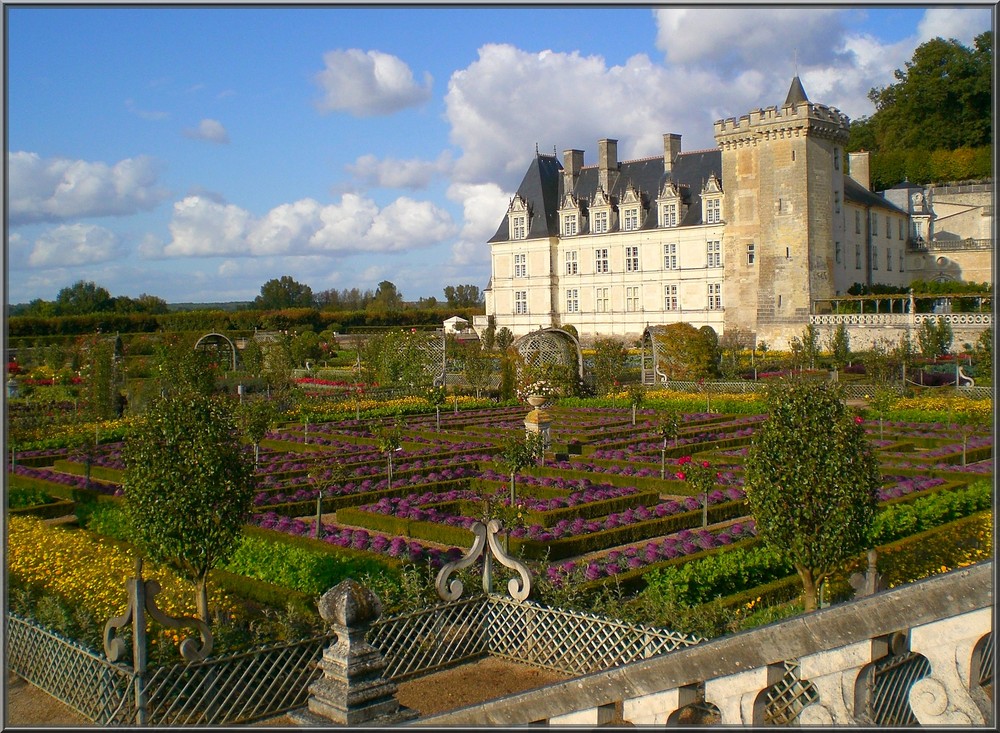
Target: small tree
636,396
881,401
934,338
255,418
519,451
812,481
610,359
702,477
667,428
436,396
840,346
477,368
810,345
389,438
188,486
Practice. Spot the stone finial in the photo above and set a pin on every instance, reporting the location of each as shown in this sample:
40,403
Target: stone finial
352,690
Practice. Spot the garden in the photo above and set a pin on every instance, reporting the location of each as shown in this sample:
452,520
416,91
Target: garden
638,509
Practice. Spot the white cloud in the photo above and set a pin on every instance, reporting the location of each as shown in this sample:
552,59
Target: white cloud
209,130
205,228
368,84
484,206
962,24
55,189
396,173
73,245
152,115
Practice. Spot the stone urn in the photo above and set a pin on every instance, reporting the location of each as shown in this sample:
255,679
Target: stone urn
537,400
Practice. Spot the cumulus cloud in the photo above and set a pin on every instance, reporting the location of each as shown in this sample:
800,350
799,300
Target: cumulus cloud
202,227
962,24
55,189
208,130
370,83
73,245
396,173
484,206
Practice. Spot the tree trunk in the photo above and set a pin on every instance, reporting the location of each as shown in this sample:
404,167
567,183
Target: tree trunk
201,599
810,588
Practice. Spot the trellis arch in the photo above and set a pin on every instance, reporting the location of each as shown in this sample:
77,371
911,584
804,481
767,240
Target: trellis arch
550,347
220,343
651,353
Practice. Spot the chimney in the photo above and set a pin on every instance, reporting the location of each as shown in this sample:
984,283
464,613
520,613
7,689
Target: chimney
858,168
671,149
572,163
607,161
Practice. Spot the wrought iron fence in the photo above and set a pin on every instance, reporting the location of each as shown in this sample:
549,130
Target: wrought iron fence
889,682
786,699
71,673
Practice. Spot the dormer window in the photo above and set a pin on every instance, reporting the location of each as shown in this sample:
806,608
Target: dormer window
571,216
602,213
518,215
669,202
631,207
711,201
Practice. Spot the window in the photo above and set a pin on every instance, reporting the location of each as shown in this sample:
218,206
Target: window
900,260
600,222
714,254
751,254
520,302
715,296
670,257
521,265
631,219
857,256
601,299
601,260
836,159
888,258
874,224
670,297
520,227
632,298
837,255
857,222
569,225
573,301
571,265
874,257
836,202
670,215
713,211
631,259
888,227
900,222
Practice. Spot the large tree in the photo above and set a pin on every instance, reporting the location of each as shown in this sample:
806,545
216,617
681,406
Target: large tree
463,296
812,481
283,293
686,352
83,297
188,486
610,362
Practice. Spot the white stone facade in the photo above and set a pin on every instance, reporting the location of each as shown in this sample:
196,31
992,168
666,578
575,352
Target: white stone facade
747,235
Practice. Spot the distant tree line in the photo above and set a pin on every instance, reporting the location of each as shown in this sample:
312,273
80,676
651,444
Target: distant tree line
934,124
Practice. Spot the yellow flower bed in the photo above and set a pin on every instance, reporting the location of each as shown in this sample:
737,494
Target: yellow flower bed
948,403
91,573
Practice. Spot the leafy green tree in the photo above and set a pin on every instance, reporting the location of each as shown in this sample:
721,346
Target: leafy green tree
283,292
839,346
881,401
686,352
387,299
505,338
636,396
878,362
518,451
667,427
983,357
731,346
610,360
388,438
942,99
81,298
810,345
462,296
305,347
188,486
477,367
934,338
255,418
812,480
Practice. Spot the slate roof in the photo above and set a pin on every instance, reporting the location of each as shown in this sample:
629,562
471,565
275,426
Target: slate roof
796,93
543,188
858,194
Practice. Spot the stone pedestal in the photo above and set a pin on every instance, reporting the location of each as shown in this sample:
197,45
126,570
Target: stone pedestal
538,421
352,690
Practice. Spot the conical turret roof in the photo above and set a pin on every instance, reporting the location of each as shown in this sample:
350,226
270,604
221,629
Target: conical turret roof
796,94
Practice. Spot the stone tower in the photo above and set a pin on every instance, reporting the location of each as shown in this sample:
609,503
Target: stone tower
784,197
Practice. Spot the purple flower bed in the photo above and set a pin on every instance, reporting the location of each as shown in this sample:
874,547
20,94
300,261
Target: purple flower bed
904,485
360,539
634,557
726,478
68,479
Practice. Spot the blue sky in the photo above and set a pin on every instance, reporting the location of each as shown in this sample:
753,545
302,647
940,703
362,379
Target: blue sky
194,153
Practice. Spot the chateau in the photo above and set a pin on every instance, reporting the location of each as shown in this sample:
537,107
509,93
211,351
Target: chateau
756,234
